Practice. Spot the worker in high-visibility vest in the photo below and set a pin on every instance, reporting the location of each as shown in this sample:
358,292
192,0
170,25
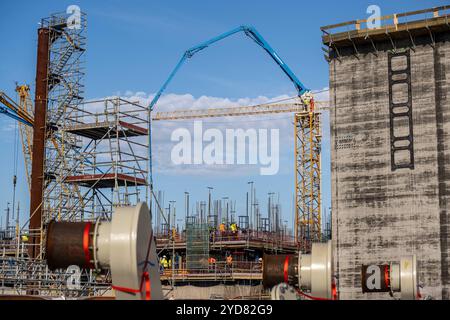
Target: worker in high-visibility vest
211,262
164,262
234,227
222,227
307,99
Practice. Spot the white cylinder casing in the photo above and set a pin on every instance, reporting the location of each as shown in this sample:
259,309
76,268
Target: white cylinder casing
403,277
321,270
131,236
102,245
122,245
408,281
315,270
304,267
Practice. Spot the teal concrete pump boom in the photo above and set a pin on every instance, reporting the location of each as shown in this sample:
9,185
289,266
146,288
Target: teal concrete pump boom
253,34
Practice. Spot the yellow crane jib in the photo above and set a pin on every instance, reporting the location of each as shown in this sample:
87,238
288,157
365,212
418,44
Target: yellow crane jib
10,108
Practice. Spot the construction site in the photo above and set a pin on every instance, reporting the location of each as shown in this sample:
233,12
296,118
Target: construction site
98,226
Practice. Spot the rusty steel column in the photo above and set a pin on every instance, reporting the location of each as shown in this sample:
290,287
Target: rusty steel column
39,132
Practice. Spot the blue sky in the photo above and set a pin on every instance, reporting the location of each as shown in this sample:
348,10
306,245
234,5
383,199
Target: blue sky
133,45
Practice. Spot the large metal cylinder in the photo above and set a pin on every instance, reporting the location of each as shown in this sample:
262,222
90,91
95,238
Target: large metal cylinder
311,272
376,278
394,277
278,269
125,245
69,243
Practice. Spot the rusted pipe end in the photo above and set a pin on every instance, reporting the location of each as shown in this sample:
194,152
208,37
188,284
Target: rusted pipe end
278,269
69,243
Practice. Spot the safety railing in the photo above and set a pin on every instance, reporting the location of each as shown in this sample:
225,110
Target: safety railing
219,270
23,275
388,20
216,237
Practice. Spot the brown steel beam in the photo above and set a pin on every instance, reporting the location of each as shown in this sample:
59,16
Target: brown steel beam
39,137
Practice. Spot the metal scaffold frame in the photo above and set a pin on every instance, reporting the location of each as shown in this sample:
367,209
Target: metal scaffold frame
20,277
95,158
113,158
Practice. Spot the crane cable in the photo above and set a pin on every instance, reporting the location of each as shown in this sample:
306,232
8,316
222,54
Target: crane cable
15,166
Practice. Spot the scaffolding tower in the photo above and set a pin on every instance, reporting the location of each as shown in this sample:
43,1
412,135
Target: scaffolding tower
58,96
113,156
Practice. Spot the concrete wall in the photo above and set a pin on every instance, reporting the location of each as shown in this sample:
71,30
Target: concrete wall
380,215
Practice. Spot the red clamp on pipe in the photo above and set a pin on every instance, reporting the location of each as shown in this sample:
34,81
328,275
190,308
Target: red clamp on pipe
310,297
145,279
334,290
127,290
148,292
286,269
86,238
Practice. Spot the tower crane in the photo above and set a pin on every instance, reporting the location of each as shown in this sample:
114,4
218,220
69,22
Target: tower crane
307,132
260,109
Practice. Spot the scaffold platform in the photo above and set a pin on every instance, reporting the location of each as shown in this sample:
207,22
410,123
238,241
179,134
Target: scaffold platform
102,130
106,180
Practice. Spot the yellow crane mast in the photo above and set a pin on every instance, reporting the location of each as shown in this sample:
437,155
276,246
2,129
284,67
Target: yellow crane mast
26,132
308,222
